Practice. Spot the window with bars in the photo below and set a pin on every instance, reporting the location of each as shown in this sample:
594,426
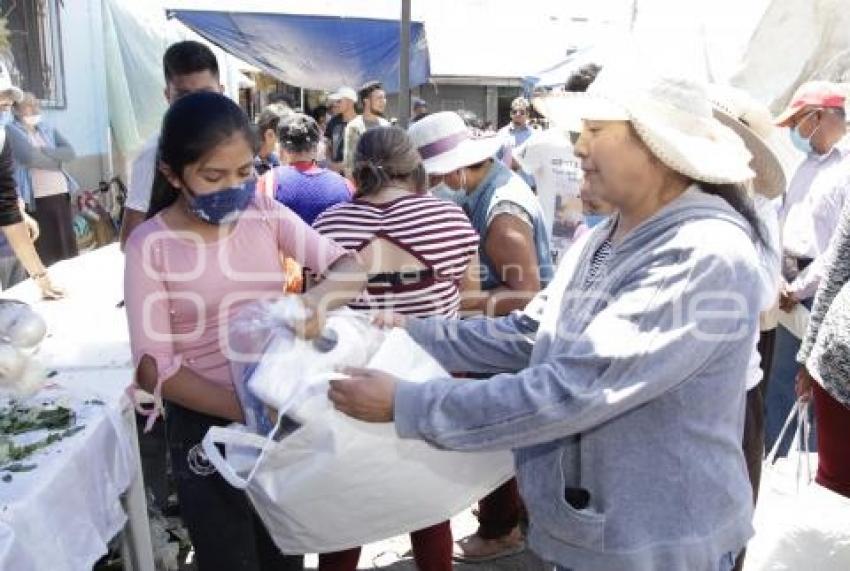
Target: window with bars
34,53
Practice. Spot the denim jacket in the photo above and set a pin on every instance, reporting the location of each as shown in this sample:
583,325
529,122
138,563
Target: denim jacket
27,156
626,415
503,185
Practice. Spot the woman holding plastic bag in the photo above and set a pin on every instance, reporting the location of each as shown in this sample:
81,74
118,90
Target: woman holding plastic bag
626,417
392,223
824,357
213,245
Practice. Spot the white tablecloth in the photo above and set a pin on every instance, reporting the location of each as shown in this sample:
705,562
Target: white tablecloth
61,516
87,329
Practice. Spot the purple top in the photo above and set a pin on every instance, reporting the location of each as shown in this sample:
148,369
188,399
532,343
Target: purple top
308,190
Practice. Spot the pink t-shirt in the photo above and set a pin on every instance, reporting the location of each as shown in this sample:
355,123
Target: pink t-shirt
181,292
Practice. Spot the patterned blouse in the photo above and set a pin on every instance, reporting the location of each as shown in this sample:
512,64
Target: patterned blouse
826,347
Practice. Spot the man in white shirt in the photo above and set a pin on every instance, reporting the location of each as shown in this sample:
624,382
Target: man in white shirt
548,157
816,194
374,100
189,67
809,217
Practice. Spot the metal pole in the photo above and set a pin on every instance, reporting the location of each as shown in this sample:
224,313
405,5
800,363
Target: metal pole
404,67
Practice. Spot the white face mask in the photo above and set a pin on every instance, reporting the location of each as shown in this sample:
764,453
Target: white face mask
32,120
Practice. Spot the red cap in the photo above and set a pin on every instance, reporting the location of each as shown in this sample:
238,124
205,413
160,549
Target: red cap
811,94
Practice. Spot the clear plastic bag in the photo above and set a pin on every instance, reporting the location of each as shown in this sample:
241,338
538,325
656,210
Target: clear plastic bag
276,372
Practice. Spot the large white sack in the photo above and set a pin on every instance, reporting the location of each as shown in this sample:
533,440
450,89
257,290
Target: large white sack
336,482
799,524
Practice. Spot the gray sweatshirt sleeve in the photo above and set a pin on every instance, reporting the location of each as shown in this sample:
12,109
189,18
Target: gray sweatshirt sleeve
838,264
28,155
63,152
636,349
477,345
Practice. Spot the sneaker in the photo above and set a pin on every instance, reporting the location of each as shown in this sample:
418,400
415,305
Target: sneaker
476,549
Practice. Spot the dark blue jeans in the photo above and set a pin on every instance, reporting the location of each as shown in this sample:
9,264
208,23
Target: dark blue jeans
224,529
780,395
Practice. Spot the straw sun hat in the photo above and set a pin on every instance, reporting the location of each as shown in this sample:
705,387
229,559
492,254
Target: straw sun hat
671,115
752,122
446,143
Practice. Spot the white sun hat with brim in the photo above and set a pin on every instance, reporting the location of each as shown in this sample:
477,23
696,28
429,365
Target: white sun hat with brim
446,144
753,122
6,85
671,115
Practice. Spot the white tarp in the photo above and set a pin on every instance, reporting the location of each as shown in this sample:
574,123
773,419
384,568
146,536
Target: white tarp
795,41
136,35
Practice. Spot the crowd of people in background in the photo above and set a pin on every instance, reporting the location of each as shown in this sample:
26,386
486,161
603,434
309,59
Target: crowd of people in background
579,244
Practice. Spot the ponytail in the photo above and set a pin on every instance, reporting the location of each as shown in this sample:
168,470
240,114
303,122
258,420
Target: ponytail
739,199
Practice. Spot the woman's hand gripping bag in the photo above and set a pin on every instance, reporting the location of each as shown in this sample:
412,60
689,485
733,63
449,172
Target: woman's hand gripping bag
322,481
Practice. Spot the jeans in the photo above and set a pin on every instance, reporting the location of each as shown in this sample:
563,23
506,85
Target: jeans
224,529
780,395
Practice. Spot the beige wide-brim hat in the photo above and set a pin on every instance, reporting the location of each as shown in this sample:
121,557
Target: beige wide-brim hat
671,115
446,144
752,121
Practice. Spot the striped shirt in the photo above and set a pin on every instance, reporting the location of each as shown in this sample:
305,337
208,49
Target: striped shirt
598,262
435,232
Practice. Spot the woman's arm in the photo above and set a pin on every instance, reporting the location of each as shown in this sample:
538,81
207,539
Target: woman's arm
63,151
26,154
190,390
16,231
343,282
635,350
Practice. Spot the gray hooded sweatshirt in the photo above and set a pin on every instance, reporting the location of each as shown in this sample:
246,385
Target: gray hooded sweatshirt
626,415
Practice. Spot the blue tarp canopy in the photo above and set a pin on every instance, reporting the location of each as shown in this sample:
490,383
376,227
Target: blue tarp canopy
315,52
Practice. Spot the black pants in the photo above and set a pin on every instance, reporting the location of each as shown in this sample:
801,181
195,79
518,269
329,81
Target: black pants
753,442
224,529
56,241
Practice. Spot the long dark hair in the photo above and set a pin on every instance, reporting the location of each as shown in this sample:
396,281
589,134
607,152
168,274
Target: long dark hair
194,126
738,198
385,154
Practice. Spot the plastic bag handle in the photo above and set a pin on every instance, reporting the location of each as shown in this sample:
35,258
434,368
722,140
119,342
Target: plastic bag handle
795,410
223,435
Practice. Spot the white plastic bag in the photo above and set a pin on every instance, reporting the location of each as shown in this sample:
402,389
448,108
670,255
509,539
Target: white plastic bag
800,525
796,321
335,482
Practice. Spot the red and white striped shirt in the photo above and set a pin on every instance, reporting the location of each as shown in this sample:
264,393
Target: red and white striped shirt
437,233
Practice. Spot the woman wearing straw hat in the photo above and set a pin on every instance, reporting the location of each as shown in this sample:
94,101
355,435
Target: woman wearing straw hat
626,417
753,123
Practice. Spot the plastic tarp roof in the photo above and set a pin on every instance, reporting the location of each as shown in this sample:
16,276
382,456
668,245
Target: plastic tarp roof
317,52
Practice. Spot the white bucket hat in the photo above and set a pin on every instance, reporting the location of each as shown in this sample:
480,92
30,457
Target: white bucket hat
672,116
753,122
6,84
446,144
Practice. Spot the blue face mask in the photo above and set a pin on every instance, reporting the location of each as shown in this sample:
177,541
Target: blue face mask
222,206
5,118
593,220
446,192
801,143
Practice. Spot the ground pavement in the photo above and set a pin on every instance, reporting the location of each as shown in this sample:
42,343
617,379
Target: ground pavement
394,554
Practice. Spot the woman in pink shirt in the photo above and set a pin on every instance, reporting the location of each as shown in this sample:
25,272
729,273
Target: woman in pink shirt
212,246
